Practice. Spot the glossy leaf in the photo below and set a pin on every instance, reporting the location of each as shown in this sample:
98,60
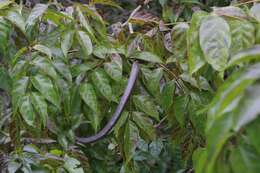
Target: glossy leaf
144,124
195,54
45,65
167,95
101,82
146,105
254,11
85,43
66,42
37,11
26,110
17,19
215,41
243,35
19,89
114,68
45,86
245,56
43,49
40,106
147,56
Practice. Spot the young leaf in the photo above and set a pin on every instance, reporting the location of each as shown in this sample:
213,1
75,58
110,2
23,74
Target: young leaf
85,43
45,86
40,106
26,110
215,41
145,104
37,11
101,82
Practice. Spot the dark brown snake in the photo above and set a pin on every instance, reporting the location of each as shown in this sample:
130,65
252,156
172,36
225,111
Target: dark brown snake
102,133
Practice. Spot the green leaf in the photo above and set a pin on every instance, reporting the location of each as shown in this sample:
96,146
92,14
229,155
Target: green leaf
146,105
63,69
72,165
252,131
5,29
40,106
114,68
106,2
167,95
26,110
243,35
43,49
16,18
248,108
119,125
131,136
144,124
245,56
67,41
88,94
148,56
180,108
255,11
244,160
85,43
179,40
152,80
5,3
215,41
84,22
45,65
101,82
195,54
45,86
19,89
6,81
230,93
37,11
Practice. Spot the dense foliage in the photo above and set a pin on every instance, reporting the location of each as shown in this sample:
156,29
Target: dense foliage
194,108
